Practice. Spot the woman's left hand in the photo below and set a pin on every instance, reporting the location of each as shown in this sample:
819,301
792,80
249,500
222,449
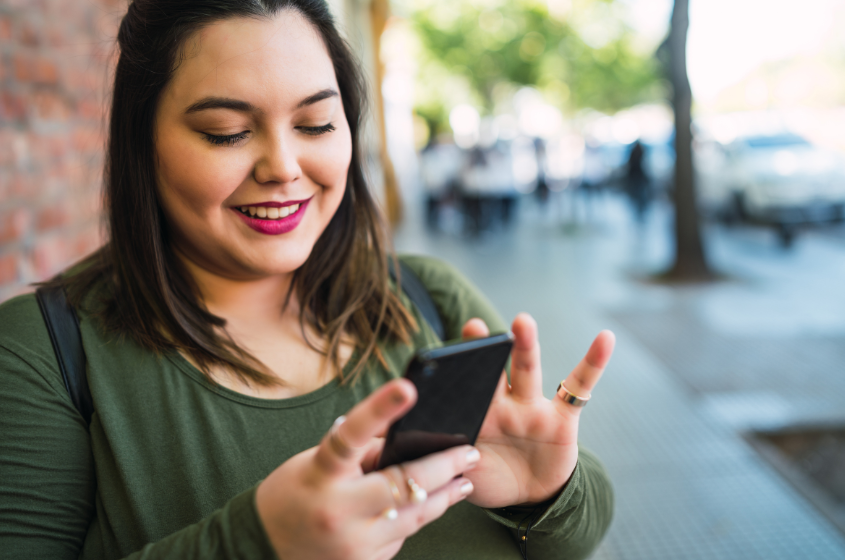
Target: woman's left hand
528,443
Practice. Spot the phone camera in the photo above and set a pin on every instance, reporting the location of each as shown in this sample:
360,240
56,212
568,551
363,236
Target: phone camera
429,368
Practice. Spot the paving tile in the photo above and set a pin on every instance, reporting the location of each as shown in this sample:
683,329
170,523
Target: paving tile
667,415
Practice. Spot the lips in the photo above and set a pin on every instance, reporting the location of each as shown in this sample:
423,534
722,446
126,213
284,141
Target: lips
273,218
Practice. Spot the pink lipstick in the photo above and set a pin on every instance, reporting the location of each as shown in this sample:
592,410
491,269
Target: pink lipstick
273,218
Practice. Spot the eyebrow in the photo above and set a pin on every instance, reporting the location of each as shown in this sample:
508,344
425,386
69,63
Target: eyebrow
245,107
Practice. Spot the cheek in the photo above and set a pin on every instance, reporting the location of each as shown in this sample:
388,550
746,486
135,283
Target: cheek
192,182
331,166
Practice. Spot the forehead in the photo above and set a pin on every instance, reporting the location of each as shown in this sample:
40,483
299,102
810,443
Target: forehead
265,61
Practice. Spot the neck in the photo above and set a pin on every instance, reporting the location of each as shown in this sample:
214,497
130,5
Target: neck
256,299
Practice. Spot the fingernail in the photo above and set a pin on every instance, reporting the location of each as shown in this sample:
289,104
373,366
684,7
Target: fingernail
466,488
397,395
473,456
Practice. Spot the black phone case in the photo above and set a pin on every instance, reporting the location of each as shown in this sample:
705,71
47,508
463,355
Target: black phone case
455,385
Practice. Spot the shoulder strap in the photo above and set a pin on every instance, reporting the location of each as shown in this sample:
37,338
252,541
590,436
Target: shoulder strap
63,326
418,294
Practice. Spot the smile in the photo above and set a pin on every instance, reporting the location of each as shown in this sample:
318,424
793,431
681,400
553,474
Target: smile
273,218
265,213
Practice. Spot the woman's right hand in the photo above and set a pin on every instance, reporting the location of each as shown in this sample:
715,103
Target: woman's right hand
328,503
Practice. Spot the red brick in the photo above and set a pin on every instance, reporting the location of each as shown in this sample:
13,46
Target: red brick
53,217
28,34
49,257
19,185
89,107
45,72
8,268
5,28
56,35
23,67
12,107
87,140
13,225
50,106
87,241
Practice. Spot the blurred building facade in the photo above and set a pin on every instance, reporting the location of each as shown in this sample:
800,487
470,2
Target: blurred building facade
54,68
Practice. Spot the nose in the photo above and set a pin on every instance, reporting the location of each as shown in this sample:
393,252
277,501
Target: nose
278,164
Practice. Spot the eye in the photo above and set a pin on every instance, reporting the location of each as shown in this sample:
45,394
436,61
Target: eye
227,140
316,130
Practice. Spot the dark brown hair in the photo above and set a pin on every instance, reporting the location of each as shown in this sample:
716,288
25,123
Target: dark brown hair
343,287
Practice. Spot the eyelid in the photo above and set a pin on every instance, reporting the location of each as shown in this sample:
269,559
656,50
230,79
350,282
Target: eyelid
226,139
317,130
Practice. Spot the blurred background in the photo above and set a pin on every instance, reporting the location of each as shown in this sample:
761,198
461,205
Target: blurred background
672,170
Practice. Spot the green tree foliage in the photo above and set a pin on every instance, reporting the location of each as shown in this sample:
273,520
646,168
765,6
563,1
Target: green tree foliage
474,49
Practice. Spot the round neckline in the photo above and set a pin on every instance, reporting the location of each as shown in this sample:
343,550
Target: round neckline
289,402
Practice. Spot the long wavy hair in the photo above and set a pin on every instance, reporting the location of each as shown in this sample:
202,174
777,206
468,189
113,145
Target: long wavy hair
143,289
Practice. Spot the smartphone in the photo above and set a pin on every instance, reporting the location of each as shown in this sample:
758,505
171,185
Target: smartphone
455,385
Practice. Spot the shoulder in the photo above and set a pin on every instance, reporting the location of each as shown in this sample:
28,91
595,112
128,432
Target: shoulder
27,360
22,327
456,297
433,272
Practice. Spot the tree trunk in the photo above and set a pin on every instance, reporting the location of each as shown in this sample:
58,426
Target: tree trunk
690,262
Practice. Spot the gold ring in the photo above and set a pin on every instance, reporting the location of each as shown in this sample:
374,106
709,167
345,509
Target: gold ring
338,444
397,495
570,398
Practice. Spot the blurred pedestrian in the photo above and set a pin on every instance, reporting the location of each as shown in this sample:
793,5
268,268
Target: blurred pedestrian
542,189
637,183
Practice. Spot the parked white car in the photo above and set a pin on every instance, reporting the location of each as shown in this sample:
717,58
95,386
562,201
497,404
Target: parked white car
781,180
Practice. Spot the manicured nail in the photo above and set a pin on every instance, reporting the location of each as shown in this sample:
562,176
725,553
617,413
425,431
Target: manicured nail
473,456
466,488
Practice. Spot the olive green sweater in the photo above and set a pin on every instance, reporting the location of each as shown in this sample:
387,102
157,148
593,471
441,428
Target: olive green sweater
169,465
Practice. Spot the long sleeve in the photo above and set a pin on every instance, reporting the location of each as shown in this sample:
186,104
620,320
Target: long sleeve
574,523
48,486
572,526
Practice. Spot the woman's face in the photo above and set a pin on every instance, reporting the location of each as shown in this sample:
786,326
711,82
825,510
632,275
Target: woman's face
252,146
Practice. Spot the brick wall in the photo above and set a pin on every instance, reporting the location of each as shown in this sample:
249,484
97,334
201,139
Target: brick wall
55,63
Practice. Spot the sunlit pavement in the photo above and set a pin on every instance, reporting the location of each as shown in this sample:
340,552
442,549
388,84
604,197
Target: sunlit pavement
694,368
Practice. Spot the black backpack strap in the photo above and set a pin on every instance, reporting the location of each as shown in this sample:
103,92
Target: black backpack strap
418,294
63,326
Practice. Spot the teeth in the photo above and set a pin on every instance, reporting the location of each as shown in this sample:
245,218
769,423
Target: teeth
269,213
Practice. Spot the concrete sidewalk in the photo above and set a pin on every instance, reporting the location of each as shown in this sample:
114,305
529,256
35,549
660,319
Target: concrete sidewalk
687,484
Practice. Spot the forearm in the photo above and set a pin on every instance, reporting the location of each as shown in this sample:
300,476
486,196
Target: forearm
233,532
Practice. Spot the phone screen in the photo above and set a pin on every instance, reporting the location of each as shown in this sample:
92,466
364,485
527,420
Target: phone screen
455,384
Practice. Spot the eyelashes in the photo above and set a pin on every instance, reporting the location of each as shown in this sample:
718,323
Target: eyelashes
232,139
316,130
228,140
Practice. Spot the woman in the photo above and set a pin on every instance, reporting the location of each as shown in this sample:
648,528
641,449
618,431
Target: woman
241,305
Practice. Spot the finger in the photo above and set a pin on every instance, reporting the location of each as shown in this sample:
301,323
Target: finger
426,475
369,462
414,517
475,328
526,373
347,443
586,374
392,487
